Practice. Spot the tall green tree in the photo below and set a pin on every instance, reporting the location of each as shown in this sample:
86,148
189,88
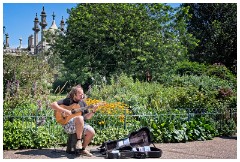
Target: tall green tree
107,39
215,25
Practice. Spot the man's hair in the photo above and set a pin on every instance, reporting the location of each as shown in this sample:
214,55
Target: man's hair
73,91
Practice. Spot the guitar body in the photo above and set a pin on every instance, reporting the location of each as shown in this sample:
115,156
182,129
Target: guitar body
63,119
76,110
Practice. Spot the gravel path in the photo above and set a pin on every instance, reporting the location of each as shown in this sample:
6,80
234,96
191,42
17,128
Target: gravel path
218,148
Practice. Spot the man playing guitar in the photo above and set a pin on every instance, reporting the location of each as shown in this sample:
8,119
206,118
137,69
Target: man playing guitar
76,123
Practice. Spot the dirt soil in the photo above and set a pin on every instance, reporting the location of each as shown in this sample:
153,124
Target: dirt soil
218,148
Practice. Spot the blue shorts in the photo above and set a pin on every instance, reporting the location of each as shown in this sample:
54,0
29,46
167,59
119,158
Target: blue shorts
70,128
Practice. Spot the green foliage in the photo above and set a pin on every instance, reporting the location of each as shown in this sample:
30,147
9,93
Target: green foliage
180,97
143,37
189,68
15,135
169,127
195,68
178,126
180,92
111,133
20,134
27,71
26,79
215,26
61,85
221,71
201,128
228,127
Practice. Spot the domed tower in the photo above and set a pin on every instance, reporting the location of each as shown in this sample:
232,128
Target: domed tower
53,31
53,26
36,30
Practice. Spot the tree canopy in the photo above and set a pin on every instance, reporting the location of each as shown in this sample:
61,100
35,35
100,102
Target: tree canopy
215,25
108,39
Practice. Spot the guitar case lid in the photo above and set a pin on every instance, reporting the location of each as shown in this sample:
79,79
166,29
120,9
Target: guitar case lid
137,138
137,142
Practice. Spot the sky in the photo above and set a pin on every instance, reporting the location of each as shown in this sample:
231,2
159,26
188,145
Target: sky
18,19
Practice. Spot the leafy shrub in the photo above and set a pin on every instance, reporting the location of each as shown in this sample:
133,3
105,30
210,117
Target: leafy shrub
16,135
111,133
228,127
25,82
189,68
178,127
182,92
221,71
201,128
20,134
195,68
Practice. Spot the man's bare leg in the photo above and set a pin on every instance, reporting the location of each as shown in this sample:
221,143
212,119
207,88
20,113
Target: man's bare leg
89,134
79,123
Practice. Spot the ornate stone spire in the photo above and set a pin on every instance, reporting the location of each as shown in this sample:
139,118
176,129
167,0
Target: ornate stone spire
43,22
36,30
62,24
36,27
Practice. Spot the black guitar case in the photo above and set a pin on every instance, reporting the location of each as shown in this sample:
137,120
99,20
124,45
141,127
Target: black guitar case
136,145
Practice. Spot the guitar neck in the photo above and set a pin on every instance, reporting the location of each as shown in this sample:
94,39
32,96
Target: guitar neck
87,107
81,109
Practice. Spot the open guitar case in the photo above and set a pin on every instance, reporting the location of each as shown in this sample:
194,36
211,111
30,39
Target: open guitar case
136,145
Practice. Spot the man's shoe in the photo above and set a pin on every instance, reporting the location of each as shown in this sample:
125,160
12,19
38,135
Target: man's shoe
86,153
79,145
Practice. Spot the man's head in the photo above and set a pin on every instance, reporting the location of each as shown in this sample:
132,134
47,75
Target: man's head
76,93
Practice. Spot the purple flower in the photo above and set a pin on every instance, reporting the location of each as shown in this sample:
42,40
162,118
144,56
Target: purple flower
39,104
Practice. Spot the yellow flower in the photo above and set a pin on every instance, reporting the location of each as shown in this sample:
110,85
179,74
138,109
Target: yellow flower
109,108
122,118
101,123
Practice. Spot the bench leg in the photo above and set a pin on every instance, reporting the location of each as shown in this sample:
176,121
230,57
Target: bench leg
71,143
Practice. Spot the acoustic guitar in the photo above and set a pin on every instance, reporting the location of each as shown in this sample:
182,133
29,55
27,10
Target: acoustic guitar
76,110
